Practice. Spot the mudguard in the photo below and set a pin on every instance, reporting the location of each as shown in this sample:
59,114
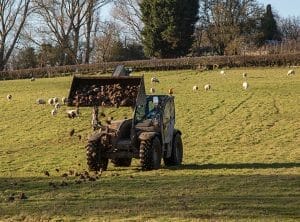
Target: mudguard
176,131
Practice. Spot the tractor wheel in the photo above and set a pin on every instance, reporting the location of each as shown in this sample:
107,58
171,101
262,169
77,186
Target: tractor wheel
177,152
121,162
150,154
95,159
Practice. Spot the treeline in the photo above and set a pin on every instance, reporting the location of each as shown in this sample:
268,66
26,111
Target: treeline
197,63
48,33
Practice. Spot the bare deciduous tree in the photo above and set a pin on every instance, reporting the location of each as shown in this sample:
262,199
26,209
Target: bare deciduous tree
128,13
225,21
64,21
91,16
58,19
13,16
106,41
290,28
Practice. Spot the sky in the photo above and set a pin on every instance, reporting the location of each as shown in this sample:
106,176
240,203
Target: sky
284,8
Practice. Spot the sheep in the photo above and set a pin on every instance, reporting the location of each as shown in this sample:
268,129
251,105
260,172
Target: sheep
40,101
171,91
154,80
51,101
152,90
222,72
73,113
291,72
195,88
55,99
32,79
64,100
9,97
245,85
245,75
57,105
207,87
54,112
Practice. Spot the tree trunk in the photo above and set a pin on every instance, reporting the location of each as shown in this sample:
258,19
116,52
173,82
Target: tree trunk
88,31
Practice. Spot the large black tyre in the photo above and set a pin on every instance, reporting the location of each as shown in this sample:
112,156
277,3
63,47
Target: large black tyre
177,152
122,162
95,154
150,154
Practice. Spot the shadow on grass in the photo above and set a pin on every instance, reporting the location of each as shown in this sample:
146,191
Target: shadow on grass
143,197
213,166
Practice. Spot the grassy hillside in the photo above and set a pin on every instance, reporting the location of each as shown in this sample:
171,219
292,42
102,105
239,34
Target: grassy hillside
241,153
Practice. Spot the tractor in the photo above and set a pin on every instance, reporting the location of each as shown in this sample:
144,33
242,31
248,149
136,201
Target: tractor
149,135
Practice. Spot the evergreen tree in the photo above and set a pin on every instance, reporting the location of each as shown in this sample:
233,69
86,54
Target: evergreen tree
50,55
269,26
168,26
26,59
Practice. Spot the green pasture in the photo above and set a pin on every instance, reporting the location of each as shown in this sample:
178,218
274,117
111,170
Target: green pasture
241,153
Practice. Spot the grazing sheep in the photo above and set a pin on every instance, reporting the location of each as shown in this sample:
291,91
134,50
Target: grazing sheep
222,72
152,90
32,79
154,80
291,72
55,99
51,101
195,88
64,100
245,75
9,97
57,105
40,101
245,85
73,113
207,87
53,112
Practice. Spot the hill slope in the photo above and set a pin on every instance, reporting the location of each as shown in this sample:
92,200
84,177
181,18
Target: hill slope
241,153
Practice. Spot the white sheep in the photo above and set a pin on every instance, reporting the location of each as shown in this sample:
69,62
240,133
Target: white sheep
57,105
64,100
73,113
51,101
53,112
291,72
9,97
222,72
152,90
40,101
207,87
32,79
245,85
154,80
245,75
195,88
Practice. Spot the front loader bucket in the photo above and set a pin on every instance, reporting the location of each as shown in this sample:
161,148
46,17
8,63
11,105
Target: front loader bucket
106,91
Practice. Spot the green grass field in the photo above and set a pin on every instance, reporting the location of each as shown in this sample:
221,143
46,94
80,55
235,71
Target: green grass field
241,154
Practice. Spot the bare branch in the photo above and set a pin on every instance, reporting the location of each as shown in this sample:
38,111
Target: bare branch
13,15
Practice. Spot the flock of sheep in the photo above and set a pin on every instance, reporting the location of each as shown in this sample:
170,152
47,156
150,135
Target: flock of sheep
54,102
208,87
154,80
